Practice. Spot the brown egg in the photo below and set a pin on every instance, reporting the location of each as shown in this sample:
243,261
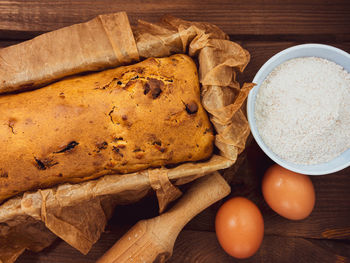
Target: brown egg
289,194
239,227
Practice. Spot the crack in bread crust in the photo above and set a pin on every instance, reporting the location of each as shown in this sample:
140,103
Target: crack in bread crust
115,121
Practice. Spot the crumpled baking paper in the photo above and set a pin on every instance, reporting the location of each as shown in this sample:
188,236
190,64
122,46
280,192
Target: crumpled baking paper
78,213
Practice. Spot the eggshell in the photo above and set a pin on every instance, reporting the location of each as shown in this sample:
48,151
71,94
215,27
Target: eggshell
239,227
289,194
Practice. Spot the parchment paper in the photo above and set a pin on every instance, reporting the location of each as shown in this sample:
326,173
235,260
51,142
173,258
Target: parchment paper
78,213
106,41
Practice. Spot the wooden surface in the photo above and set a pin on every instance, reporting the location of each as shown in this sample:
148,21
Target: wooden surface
264,28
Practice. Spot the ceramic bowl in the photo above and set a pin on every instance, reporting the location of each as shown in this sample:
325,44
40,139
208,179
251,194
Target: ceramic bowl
336,55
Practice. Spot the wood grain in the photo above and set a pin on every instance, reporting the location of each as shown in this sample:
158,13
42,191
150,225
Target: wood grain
6,43
202,246
22,19
299,250
261,51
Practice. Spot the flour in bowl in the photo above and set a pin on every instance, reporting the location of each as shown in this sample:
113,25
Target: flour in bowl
302,110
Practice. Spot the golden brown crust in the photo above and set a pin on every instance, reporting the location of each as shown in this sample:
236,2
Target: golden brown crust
116,121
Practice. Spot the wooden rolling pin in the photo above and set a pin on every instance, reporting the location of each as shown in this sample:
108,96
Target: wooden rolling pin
153,240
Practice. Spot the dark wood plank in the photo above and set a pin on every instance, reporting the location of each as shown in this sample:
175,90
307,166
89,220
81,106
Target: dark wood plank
191,244
6,43
202,247
261,51
22,19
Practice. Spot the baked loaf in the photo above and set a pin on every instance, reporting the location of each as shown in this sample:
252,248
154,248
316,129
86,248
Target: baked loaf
116,121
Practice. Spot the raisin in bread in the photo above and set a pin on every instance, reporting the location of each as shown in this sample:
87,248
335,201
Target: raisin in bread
116,121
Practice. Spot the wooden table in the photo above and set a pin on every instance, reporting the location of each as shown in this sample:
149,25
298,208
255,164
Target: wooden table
264,28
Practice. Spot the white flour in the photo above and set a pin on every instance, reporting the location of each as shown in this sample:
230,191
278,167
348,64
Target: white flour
302,110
